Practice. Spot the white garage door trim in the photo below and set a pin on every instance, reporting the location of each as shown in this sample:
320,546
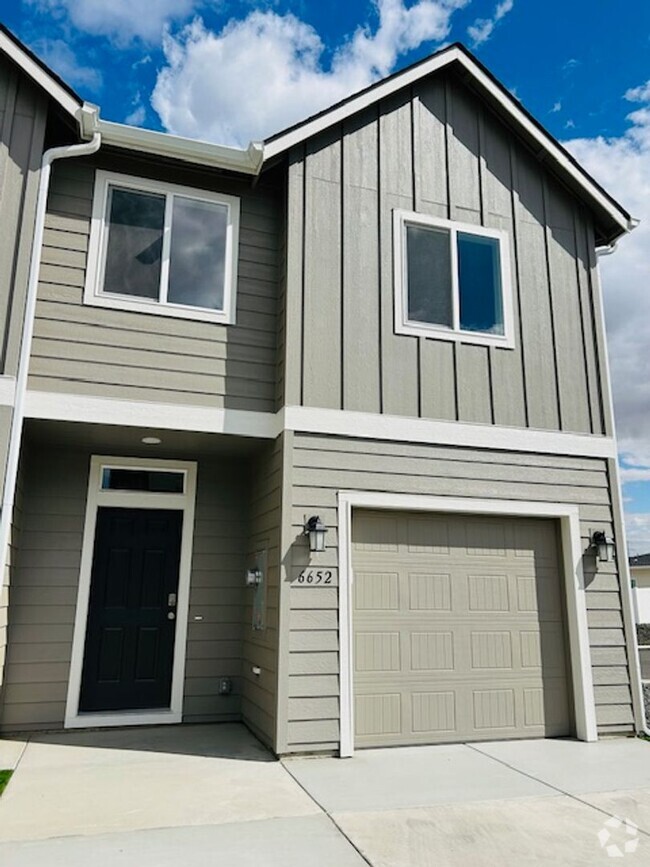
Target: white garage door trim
568,515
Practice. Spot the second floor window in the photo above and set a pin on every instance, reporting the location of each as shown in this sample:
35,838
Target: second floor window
164,249
452,281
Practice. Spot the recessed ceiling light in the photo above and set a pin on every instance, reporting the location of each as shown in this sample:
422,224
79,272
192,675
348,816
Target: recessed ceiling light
151,441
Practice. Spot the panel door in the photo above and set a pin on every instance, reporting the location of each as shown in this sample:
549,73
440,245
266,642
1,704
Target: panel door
129,648
458,629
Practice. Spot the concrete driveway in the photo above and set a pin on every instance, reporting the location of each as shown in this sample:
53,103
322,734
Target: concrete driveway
212,795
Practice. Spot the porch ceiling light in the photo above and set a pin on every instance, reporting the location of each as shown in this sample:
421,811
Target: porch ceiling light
151,441
604,545
315,530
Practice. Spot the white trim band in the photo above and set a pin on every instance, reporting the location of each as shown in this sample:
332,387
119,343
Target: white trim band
56,406
107,410
374,426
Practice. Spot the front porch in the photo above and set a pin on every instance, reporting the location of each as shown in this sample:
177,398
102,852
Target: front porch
226,508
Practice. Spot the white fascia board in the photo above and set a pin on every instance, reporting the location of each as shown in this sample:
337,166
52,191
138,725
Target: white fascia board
248,161
382,90
39,76
55,406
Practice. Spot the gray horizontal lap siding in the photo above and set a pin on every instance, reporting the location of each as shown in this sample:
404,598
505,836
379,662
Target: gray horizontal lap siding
45,580
323,465
123,354
259,691
437,150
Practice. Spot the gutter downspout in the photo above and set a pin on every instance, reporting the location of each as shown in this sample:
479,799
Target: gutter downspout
87,121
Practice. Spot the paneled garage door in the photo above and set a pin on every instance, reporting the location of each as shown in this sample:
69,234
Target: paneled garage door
458,629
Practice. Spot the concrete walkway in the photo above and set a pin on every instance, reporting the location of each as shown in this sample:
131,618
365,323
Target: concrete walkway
199,795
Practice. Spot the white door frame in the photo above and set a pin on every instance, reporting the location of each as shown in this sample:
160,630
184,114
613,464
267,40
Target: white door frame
97,497
572,552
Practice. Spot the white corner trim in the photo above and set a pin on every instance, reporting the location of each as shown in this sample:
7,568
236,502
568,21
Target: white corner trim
59,406
184,502
7,390
568,515
375,426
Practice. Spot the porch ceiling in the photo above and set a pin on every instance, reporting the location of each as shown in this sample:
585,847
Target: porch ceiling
127,441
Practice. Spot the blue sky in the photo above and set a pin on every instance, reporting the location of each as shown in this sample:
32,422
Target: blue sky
582,67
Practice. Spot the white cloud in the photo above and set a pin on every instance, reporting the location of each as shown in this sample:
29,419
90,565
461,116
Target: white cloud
267,71
639,94
622,165
481,30
121,20
637,531
58,55
137,117
635,474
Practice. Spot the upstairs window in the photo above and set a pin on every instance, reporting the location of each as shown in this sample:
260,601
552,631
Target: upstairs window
451,281
163,249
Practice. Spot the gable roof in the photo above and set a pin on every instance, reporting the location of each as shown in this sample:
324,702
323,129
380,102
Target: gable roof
613,219
640,560
40,73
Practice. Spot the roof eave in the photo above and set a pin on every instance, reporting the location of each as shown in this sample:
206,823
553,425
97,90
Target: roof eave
40,75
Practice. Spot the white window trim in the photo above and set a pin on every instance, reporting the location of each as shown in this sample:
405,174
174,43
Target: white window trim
574,585
93,291
403,325
97,497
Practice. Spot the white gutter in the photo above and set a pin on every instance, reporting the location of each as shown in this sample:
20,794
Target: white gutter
248,161
88,123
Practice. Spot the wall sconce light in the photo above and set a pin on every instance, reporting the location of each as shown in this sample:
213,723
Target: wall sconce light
315,529
604,545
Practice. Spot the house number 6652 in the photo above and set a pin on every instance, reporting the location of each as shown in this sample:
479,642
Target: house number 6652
314,576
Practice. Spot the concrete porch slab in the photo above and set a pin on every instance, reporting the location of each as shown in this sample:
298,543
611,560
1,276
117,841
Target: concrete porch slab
387,779
101,782
10,753
531,831
576,767
311,840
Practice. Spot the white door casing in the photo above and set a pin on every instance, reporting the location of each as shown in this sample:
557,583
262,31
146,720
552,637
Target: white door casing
97,497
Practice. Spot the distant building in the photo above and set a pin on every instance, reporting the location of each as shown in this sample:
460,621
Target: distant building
640,574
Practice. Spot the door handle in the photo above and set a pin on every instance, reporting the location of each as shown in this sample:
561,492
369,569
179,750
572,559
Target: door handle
171,615
171,600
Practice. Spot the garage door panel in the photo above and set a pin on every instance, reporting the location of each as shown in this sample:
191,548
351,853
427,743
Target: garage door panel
457,641
376,591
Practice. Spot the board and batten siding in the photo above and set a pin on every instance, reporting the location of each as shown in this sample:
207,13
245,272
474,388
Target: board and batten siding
323,465
128,355
45,580
260,649
437,149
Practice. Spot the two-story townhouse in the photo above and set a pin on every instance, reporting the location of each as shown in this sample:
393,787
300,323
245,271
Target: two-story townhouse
384,326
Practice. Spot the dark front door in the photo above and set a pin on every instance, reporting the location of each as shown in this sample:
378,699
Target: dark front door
129,650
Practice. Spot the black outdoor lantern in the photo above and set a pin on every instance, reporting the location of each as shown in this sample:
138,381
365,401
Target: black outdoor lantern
315,529
604,545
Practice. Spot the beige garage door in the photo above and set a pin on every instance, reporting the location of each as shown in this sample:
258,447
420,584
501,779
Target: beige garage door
458,629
